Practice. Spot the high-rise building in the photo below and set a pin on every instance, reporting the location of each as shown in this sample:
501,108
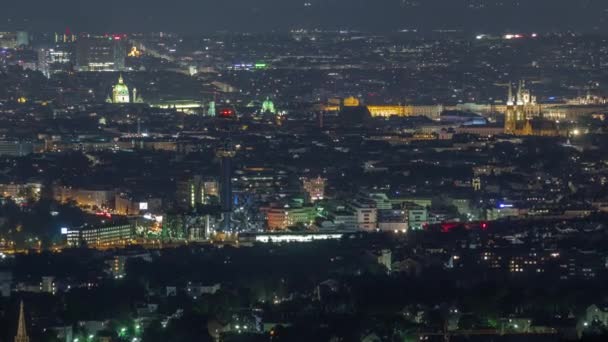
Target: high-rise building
22,38
226,155
54,60
194,191
101,53
66,37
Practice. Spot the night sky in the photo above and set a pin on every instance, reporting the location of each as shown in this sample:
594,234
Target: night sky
264,15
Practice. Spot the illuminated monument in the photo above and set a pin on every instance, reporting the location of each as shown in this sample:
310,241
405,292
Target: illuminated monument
521,115
226,155
268,106
120,92
21,332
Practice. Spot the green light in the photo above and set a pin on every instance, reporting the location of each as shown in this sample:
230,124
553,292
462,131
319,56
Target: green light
261,65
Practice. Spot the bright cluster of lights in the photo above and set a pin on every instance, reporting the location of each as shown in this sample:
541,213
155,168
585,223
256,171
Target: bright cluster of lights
296,238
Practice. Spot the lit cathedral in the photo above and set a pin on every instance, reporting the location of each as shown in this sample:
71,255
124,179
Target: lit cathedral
121,93
524,116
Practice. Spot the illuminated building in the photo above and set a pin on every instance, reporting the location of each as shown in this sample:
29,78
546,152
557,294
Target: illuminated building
226,155
476,183
23,38
430,111
283,218
268,107
289,237
120,92
314,187
16,148
588,100
392,220
48,285
21,328
519,113
134,52
211,109
126,204
85,197
102,236
194,191
351,102
260,181
21,190
117,266
52,61
502,211
8,40
417,216
366,214
66,37
101,53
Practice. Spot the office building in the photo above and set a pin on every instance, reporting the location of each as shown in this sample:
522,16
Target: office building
113,234
283,218
366,214
54,60
101,53
226,155
16,148
194,191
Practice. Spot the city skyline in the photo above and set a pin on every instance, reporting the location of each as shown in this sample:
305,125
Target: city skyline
297,171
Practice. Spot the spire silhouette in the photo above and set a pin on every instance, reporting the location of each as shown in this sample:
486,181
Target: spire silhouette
21,331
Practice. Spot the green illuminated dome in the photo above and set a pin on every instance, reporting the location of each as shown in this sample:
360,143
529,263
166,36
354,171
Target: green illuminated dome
120,93
268,106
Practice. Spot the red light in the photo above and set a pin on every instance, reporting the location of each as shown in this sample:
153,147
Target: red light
104,214
227,112
484,225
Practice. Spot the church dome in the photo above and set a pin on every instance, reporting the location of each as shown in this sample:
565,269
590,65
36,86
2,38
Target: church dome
120,92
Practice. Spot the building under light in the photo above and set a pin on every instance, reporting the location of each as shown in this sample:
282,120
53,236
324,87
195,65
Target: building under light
519,120
314,188
100,236
101,53
120,92
290,237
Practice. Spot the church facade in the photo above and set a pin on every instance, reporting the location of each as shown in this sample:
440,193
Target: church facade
523,115
122,94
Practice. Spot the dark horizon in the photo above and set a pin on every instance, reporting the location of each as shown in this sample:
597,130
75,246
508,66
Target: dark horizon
190,16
